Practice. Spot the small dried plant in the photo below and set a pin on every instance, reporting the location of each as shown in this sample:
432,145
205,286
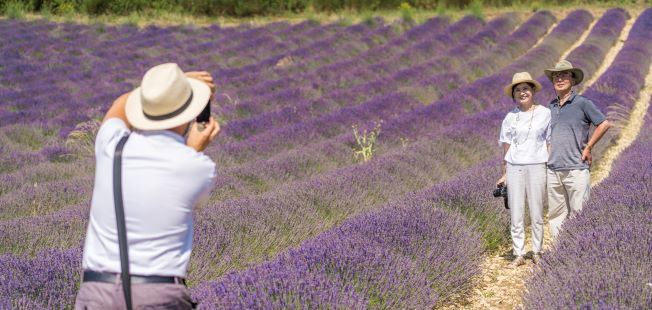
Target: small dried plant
619,114
82,140
365,141
284,62
231,101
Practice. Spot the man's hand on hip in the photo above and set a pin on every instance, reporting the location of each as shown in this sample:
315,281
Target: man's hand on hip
199,139
586,155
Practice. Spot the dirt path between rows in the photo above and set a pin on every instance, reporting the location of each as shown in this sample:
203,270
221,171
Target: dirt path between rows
628,132
499,287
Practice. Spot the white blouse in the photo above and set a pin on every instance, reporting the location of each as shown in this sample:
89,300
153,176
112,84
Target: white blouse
528,134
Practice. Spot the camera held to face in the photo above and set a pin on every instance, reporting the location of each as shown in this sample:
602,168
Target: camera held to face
501,191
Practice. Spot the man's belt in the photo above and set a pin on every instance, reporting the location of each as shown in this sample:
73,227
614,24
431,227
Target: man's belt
107,277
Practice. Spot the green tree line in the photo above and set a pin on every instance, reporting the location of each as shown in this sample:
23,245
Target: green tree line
243,8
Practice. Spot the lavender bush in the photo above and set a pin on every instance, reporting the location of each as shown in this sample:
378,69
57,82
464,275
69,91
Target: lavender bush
602,256
299,224
396,258
467,194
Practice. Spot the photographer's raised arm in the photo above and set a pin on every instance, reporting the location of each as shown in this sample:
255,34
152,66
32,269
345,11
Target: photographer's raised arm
117,110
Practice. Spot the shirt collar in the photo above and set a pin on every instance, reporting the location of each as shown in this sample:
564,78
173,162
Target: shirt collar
570,99
555,102
166,134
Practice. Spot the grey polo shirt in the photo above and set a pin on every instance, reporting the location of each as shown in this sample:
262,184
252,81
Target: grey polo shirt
569,126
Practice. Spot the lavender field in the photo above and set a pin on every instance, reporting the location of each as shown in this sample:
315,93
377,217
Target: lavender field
304,215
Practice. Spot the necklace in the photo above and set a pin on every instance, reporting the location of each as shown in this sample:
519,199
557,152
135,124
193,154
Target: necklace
515,141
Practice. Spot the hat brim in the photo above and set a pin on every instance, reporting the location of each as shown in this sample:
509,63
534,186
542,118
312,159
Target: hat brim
578,74
508,88
137,119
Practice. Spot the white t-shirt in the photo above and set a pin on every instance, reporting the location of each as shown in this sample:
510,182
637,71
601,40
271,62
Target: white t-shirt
527,133
162,179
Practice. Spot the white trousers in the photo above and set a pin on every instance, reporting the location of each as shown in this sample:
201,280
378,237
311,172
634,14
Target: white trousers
526,182
567,192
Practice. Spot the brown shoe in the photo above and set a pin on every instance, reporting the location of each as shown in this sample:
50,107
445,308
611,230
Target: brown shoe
536,258
517,262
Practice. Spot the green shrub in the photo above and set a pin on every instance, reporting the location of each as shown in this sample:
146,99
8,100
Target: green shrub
476,9
95,7
14,9
441,9
245,8
54,6
407,12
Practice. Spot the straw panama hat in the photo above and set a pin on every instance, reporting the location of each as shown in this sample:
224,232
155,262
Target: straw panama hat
166,99
565,65
522,77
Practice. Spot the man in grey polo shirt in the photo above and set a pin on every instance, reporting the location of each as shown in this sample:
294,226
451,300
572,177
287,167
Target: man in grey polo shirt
569,181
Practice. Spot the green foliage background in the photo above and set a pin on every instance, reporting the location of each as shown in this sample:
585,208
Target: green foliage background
243,8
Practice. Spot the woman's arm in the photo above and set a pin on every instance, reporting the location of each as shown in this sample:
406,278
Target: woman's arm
503,179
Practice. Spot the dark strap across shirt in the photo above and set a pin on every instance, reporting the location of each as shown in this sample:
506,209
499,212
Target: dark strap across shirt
569,134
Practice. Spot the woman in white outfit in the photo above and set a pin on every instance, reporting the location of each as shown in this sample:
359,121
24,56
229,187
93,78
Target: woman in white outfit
523,135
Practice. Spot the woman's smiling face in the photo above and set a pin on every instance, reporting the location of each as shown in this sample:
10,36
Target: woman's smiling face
523,93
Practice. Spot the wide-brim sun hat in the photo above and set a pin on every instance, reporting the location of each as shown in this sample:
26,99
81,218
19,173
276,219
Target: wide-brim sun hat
565,65
165,99
521,77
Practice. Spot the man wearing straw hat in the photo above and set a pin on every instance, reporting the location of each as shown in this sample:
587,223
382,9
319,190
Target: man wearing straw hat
164,174
569,181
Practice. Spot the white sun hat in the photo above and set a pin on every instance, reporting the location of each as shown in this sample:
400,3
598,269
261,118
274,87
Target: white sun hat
166,99
518,78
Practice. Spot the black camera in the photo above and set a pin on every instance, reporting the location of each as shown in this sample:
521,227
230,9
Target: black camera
501,191
205,114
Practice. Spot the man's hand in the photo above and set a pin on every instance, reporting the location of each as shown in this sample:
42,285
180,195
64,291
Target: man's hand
199,140
586,155
204,77
597,135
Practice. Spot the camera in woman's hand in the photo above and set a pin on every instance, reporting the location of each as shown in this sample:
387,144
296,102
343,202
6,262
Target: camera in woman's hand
501,191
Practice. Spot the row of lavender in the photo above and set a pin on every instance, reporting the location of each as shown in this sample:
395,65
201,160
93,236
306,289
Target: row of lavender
85,67
402,229
445,159
326,154
89,56
59,290
295,68
246,230
312,94
602,257
262,175
335,195
27,287
265,174
284,138
38,189
38,195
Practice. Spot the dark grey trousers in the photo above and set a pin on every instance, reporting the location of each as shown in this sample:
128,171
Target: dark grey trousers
109,296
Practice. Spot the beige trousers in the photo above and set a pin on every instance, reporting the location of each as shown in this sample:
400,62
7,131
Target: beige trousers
526,183
568,190
98,295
